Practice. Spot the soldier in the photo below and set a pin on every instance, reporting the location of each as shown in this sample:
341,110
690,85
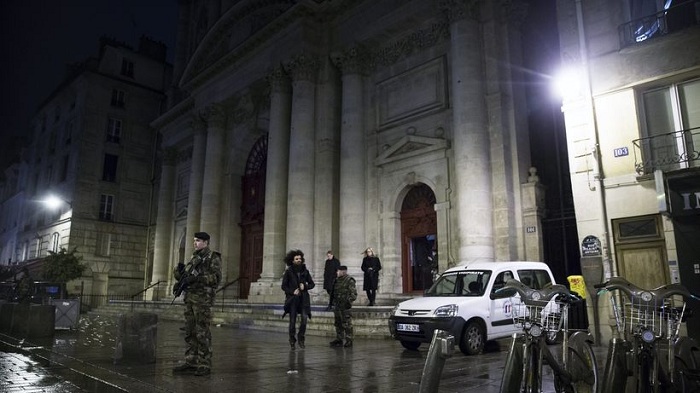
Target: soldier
200,277
344,293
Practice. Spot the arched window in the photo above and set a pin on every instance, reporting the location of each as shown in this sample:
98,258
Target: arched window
54,242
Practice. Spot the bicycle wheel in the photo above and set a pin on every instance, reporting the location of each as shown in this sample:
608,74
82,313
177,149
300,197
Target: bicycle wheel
582,364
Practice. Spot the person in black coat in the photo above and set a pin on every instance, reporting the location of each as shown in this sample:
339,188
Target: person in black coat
296,284
329,271
371,266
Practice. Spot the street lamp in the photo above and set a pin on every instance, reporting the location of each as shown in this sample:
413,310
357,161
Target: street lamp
54,202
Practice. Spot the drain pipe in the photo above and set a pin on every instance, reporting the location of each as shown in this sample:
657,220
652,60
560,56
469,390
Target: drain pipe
598,173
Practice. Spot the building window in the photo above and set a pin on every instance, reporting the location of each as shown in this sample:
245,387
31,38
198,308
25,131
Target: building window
127,68
655,18
106,207
54,242
114,130
118,98
104,244
69,131
633,229
671,127
109,170
64,168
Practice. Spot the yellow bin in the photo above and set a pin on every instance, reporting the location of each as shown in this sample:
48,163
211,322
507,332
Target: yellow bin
578,285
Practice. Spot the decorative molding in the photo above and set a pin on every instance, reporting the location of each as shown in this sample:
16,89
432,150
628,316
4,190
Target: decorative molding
170,155
410,146
302,68
461,9
278,80
353,60
416,92
413,43
214,115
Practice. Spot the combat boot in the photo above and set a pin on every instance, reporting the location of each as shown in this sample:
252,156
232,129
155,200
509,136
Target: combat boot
292,344
202,371
336,343
348,344
184,368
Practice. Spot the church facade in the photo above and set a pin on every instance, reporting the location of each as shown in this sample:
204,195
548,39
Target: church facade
341,125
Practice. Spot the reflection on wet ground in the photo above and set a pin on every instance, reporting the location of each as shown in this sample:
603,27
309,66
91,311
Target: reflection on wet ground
82,360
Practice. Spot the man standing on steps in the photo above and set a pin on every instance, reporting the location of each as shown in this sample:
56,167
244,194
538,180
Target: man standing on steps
199,278
344,293
329,272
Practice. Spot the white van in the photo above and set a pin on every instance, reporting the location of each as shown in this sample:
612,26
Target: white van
459,303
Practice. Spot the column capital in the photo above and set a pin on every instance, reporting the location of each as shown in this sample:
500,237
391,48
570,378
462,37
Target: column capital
170,155
278,80
461,9
198,125
302,67
514,11
353,60
214,115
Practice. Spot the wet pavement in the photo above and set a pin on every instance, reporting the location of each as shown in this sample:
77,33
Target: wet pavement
82,360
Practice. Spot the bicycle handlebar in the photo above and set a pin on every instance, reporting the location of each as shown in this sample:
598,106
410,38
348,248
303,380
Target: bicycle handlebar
532,296
645,295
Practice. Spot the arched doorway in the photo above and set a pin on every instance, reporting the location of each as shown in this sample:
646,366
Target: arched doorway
418,239
252,216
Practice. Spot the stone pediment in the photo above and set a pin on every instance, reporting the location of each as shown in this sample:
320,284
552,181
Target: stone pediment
410,146
181,214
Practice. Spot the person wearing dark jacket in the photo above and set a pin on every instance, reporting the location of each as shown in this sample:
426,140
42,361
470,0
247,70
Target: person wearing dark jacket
329,271
371,266
296,284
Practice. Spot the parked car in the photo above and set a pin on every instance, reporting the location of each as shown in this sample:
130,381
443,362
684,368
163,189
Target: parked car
458,302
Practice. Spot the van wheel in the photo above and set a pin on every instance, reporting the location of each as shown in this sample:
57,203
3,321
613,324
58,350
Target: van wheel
410,345
473,339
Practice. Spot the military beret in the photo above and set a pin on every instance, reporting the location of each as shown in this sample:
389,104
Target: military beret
202,235
343,267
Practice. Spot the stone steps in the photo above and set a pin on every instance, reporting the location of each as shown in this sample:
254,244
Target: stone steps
368,322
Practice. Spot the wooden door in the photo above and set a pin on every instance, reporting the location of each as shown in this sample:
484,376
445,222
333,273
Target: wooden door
643,264
419,238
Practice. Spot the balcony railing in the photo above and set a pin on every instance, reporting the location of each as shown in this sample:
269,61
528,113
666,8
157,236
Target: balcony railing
671,151
665,22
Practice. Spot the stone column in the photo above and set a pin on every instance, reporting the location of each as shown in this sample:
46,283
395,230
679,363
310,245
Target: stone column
210,221
470,129
300,191
326,185
164,218
194,197
275,236
533,193
352,64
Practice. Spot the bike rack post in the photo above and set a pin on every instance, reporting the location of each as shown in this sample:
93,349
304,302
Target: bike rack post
441,347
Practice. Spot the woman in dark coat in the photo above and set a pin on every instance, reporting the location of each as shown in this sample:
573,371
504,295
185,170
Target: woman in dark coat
296,283
371,266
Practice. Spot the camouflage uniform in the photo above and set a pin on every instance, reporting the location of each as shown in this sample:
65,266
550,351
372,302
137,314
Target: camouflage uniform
199,297
344,293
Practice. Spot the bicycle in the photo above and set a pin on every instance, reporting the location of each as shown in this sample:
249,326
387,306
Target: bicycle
646,353
540,314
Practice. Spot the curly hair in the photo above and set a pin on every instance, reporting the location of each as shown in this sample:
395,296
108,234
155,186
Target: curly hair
289,258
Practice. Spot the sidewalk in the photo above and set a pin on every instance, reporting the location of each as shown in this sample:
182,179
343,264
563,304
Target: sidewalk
243,361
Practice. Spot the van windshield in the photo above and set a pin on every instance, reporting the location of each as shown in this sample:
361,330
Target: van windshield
464,283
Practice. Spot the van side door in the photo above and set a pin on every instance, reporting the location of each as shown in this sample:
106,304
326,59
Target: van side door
502,309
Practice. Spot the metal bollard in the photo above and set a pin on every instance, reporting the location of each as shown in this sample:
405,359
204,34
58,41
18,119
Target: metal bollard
441,347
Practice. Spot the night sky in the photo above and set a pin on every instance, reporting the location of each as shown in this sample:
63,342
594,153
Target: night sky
40,37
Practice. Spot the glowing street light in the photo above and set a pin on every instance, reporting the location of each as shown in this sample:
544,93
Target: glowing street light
53,202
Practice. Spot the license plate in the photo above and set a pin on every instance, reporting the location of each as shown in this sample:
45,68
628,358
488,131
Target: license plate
407,327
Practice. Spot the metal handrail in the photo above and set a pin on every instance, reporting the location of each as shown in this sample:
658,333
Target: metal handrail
659,24
666,151
228,284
